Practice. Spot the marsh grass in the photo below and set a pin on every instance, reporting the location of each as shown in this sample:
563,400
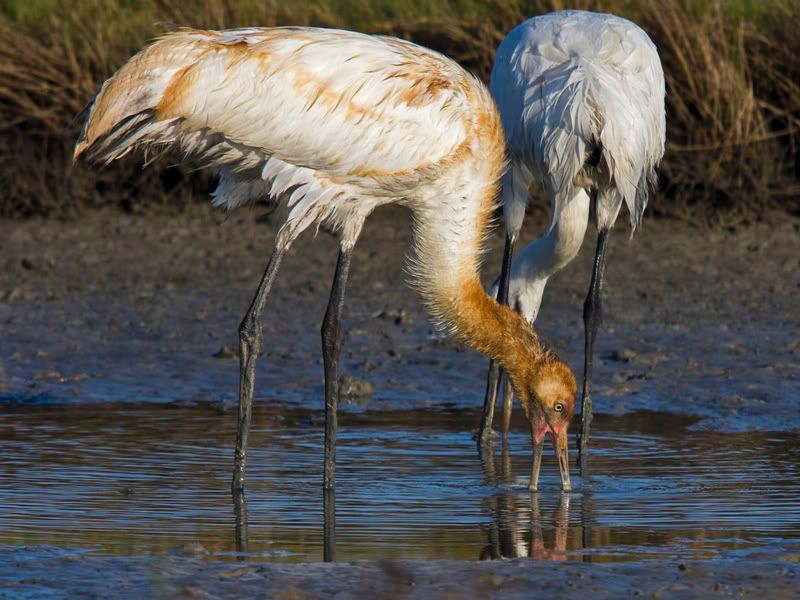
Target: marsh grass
732,71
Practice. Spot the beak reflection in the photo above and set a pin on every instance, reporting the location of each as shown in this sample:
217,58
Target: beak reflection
519,527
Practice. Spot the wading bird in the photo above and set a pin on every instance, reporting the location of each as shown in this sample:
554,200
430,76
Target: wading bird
581,98
335,124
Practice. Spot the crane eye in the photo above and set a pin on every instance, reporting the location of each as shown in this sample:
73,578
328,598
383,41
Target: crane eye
558,407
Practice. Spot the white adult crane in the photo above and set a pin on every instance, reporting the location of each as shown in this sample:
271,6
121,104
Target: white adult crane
581,98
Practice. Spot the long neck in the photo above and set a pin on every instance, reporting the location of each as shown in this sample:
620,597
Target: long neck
548,254
451,221
560,244
448,246
495,330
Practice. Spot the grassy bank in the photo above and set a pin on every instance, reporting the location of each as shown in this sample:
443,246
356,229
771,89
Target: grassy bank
732,70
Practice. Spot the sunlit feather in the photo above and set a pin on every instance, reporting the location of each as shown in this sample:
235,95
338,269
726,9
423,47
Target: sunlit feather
575,88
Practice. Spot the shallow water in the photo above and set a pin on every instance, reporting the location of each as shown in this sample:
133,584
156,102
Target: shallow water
133,479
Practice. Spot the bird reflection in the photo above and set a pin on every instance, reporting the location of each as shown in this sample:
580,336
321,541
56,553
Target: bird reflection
240,524
519,530
328,527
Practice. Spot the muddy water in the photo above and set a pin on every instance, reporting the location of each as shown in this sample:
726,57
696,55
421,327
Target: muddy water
142,479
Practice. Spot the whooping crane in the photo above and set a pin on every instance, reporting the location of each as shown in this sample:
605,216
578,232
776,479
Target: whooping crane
335,124
581,98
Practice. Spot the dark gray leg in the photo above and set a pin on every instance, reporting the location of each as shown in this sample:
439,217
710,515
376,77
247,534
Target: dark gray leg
489,400
485,431
508,398
249,347
240,529
329,526
592,316
331,345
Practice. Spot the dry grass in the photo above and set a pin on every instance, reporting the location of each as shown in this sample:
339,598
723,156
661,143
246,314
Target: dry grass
733,115
733,103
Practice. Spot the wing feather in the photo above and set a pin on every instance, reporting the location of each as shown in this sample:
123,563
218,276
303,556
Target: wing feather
572,80
313,115
342,103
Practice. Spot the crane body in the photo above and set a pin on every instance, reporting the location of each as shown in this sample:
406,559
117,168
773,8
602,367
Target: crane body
334,124
581,98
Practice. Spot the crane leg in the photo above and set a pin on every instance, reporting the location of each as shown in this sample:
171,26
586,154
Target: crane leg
490,397
331,346
485,431
240,525
249,347
508,398
329,526
592,316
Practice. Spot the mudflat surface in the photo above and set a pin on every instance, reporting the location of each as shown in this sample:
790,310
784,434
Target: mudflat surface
118,381
124,307
186,577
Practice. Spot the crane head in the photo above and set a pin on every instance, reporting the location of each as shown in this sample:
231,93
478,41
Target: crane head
548,399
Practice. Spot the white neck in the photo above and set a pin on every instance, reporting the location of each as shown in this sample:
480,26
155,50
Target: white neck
547,255
451,220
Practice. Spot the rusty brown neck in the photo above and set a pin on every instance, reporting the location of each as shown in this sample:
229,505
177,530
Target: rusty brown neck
497,331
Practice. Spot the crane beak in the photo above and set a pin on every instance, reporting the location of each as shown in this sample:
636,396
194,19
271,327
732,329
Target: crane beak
559,437
538,447
562,454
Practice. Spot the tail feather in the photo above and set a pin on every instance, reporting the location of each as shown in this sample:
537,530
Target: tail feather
123,138
236,189
119,114
586,105
124,115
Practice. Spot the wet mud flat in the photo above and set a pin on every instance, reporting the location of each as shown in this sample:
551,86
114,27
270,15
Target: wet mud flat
118,381
102,499
184,577
116,307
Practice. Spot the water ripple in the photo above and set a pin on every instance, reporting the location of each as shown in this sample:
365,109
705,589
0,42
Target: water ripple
138,479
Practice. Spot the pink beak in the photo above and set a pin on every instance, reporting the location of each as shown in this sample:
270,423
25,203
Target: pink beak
559,436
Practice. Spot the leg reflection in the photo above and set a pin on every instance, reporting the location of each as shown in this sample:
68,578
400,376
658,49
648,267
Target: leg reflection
507,475
539,549
492,550
486,454
561,521
518,528
329,526
240,528
586,525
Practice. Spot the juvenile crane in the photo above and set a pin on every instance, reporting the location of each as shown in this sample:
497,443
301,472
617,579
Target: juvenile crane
581,98
335,124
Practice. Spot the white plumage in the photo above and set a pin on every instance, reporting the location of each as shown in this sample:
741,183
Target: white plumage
581,98
237,97
333,124
568,84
